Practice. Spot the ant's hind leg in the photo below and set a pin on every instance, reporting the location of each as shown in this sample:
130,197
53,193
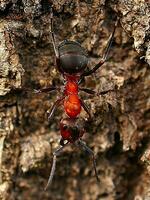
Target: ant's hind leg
52,35
42,90
55,47
81,144
105,55
89,91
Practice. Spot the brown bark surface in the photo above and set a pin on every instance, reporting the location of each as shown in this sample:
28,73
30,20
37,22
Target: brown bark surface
119,131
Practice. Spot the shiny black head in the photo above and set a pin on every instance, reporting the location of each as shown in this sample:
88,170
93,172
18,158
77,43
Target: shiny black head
72,57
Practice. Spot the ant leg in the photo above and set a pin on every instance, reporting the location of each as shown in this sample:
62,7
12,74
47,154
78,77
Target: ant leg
56,104
49,89
105,92
52,35
54,43
81,144
55,154
84,106
101,62
89,91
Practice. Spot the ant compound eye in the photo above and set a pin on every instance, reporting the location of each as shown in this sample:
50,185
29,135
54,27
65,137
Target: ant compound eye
65,127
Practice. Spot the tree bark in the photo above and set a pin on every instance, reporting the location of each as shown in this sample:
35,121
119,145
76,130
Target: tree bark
119,131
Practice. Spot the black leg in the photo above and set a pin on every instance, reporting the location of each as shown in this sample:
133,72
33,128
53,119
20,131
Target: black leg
81,144
55,154
89,91
105,92
101,62
56,104
53,36
49,89
84,106
54,43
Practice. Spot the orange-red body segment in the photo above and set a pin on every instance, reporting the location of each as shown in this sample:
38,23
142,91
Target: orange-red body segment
72,103
71,88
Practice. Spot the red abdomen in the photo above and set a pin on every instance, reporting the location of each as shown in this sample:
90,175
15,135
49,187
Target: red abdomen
72,105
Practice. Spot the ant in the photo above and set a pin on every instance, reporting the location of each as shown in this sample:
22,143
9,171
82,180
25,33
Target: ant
71,62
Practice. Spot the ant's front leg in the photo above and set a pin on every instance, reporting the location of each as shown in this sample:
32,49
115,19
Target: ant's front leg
105,55
92,92
53,109
85,107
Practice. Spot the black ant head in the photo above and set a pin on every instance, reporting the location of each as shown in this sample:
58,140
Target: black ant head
71,129
73,58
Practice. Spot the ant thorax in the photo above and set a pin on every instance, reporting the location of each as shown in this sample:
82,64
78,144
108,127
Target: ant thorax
72,103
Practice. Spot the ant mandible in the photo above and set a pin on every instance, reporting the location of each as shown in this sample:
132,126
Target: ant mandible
71,62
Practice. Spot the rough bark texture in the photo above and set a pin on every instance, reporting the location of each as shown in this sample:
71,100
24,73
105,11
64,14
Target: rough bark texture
119,132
